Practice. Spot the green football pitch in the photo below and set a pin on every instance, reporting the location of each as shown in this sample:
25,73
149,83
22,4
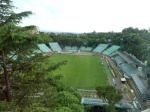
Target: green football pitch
82,71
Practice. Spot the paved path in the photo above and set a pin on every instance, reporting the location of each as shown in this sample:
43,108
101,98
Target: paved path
119,86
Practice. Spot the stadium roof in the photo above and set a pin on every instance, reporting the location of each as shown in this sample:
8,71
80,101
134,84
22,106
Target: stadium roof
83,48
44,48
141,87
111,50
119,59
100,48
129,58
55,46
92,101
99,102
113,54
129,69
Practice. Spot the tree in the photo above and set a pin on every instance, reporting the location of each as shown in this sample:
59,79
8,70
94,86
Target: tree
130,30
63,109
19,62
69,99
5,9
110,95
10,38
26,76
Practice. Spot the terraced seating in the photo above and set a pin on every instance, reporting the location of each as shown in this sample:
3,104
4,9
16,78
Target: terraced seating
113,54
100,48
119,60
141,88
44,48
68,48
100,102
129,69
55,47
111,50
83,48
89,48
74,48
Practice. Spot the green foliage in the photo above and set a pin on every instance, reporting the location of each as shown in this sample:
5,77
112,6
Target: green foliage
109,94
66,99
130,30
63,109
9,106
76,107
101,92
27,75
5,9
132,40
37,109
69,99
110,108
87,108
16,18
75,93
17,51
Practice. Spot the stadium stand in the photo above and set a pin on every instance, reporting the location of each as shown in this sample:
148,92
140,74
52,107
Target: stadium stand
100,102
129,69
113,54
142,90
134,61
74,48
119,60
37,51
44,48
68,48
83,48
129,66
100,48
111,50
129,58
55,47
91,101
14,57
89,48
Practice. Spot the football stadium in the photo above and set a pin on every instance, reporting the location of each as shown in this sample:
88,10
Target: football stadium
106,64
85,69
76,56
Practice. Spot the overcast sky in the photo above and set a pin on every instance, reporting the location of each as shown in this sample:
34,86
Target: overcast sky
86,15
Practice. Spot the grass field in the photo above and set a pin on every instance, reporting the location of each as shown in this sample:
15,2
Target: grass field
82,71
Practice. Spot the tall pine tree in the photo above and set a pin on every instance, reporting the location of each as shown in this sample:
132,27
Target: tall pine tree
18,57
23,71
